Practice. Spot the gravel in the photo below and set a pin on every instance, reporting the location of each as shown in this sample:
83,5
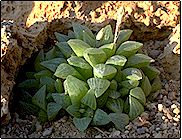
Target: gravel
161,118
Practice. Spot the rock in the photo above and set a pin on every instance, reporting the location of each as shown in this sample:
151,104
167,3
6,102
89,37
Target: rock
141,130
154,53
175,119
158,135
176,111
157,129
47,132
38,126
160,107
116,133
169,116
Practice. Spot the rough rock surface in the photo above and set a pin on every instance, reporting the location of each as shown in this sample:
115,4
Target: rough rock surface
34,21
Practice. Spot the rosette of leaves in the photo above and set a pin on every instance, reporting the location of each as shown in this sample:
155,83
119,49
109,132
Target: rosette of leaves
94,79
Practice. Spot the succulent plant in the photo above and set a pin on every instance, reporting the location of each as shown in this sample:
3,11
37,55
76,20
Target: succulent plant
93,78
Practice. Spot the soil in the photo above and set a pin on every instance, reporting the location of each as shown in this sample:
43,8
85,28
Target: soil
25,26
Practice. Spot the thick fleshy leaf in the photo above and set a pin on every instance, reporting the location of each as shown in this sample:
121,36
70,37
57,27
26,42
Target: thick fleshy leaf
49,97
98,85
129,84
105,35
39,98
81,66
76,89
53,53
104,71
136,108
124,92
43,73
123,36
49,82
39,58
58,86
120,120
146,86
90,99
118,76
82,123
64,70
138,94
113,85
53,63
73,110
101,101
156,85
30,75
71,34
150,72
138,61
89,40
114,94
109,49
115,105
117,60
100,118
126,108
43,116
94,56
29,84
129,48
65,49
58,98
78,46
52,110
78,30
88,113
61,37
131,74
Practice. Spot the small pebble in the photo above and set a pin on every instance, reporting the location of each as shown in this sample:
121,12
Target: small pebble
98,136
47,132
38,126
176,119
173,106
158,135
157,129
116,133
163,117
160,107
140,130
176,111
169,116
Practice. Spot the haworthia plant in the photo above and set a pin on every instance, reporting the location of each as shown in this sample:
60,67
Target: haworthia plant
95,79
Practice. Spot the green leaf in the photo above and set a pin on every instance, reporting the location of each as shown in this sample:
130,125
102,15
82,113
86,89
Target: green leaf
53,63
52,110
49,82
100,118
65,49
105,35
138,94
89,99
138,61
39,58
94,56
39,98
30,75
123,36
114,94
71,34
64,70
29,84
89,40
81,66
129,48
42,116
78,46
109,49
73,110
146,86
115,105
113,85
76,89
104,71
61,37
120,120
78,30
98,85
156,85
126,108
25,96
150,72
124,92
118,76
58,86
117,60
101,101
43,73
131,74
82,123
49,97
136,108
88,113
129,84
53,53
